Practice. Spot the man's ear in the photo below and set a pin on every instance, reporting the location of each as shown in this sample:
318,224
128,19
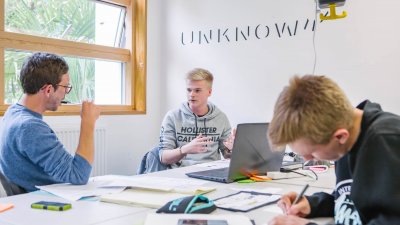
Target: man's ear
342,135
47,89
210,92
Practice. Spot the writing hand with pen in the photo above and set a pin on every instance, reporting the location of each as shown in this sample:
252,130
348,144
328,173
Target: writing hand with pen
294,206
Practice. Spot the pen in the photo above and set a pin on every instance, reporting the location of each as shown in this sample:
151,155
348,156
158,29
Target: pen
68,102
300,195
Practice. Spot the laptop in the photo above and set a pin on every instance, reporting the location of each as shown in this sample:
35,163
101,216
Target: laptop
251,153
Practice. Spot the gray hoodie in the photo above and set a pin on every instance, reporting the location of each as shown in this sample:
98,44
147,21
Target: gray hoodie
181,126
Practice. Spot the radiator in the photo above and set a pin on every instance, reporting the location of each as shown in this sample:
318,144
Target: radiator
69,136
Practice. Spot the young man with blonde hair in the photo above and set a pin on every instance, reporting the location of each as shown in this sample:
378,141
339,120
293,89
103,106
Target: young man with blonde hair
314,117
195,132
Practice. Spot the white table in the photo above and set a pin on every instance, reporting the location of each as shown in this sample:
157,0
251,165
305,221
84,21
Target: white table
95,212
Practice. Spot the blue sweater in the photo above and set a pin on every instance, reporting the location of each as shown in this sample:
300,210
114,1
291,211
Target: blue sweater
31,154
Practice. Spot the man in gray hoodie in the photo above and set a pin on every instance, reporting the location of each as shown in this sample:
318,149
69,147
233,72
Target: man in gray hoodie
198,131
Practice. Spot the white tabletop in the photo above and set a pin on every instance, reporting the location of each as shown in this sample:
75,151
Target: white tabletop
95,212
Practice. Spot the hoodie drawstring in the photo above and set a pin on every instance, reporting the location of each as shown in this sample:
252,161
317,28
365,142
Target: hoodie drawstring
195,122
196,128
205,128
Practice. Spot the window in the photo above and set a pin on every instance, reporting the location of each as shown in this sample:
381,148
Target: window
104,43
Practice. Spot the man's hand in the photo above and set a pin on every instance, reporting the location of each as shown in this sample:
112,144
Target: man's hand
230,140
288,220
197,145
302,208
90,112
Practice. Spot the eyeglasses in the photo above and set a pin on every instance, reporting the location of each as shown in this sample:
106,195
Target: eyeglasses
67,88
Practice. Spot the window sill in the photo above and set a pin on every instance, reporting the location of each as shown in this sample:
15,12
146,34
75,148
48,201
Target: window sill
67,110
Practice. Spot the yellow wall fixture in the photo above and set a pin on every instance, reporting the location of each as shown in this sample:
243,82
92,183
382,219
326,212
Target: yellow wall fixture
332,14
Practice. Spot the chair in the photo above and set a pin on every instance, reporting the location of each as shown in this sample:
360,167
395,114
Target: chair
2,192
151,162
9,187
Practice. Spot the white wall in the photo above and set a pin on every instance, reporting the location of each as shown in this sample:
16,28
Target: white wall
360,52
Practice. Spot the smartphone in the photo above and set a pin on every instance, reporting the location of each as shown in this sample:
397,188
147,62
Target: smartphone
201,222
56,206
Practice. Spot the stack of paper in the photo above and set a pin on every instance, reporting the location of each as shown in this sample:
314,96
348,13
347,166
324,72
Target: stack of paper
154,192
142,197
113,184
177,185
76,192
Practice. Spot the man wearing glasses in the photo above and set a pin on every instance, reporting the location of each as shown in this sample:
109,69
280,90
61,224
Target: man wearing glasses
30,152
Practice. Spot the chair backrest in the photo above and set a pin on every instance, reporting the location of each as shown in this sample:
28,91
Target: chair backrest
9,187
2,191
151,162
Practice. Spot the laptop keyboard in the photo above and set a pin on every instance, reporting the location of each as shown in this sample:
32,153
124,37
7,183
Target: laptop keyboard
222,172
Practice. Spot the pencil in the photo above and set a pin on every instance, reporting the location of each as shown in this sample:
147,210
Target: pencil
300,195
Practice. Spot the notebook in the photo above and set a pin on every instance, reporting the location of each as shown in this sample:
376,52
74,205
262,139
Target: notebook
251,153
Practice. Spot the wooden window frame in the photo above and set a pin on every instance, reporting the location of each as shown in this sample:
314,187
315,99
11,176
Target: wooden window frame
134,57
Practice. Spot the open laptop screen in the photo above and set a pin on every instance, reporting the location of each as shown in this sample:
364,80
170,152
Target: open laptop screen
251,153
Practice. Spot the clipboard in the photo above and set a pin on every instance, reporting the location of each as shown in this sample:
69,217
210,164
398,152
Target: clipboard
244,201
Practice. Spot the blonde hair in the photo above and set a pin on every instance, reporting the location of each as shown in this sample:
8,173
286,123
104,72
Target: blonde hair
200,74
311,107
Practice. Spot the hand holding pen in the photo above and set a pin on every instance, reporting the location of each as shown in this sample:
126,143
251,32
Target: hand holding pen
294,204
300,196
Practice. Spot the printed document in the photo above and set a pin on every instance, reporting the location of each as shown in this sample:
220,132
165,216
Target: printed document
111,184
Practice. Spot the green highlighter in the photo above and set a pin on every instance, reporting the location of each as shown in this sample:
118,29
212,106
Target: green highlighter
246,181
55,206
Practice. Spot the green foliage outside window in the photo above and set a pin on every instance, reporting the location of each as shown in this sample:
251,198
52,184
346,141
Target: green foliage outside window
61,19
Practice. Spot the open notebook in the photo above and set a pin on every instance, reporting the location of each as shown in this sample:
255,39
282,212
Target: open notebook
251,153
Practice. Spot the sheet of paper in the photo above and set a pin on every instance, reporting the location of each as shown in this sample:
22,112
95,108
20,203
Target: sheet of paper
270,190
172,219
109,184
273,209
142,197
179,185
244,201
75,192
